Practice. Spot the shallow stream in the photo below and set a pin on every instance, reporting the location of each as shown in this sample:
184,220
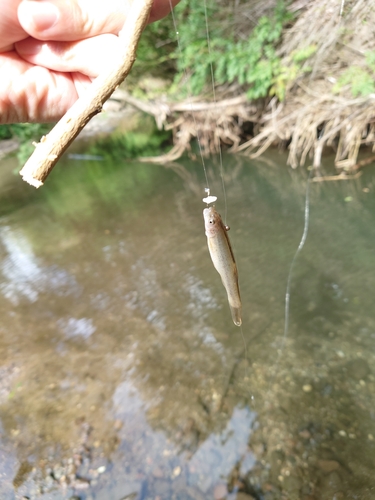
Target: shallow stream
122,375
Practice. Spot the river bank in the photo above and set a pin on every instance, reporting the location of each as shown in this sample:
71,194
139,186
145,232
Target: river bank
318,79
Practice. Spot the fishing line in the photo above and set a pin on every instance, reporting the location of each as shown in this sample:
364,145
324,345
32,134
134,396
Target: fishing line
189,96
220,151
214,97
213,198
221,156
290,274
298,251
246,356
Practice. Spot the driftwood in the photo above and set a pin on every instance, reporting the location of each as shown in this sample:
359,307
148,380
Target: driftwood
340,177
211,123
50,148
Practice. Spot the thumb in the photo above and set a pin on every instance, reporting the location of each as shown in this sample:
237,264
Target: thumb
69,20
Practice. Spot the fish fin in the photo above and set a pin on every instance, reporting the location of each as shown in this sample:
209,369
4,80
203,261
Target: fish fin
236,315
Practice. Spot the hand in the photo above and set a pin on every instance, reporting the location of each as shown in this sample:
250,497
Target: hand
51,50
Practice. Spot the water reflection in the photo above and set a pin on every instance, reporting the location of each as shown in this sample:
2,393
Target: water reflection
73,327
22,275
221,452
121,371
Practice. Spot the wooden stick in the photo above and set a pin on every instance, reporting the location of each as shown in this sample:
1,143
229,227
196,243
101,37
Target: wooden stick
51,147
339,177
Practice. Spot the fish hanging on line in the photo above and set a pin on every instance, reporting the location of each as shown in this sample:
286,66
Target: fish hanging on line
222,257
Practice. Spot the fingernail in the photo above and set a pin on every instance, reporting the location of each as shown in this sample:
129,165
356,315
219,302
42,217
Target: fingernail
44,15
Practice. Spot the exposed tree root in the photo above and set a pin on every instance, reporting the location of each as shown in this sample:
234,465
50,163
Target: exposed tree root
309,125
212,124
316,112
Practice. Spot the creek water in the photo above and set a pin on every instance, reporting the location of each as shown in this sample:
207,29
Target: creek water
121,373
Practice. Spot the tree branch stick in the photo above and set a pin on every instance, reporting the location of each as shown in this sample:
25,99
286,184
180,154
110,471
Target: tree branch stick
51,147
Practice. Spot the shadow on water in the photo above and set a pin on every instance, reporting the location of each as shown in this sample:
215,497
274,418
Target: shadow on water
121,373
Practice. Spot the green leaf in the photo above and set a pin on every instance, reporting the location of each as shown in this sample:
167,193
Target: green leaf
359,80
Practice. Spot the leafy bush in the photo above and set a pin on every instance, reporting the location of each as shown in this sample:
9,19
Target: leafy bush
130,145
248,59
359,79
252,62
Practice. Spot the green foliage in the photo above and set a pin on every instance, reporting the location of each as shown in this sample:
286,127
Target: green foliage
200,48
130,145
5,132
26,133
304,53
285,74
282,77
188,50
359,79
155,53
252,62
370,59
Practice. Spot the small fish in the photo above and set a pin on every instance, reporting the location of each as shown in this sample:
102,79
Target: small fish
223,259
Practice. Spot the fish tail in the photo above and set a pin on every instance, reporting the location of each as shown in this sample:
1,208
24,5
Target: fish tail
236,315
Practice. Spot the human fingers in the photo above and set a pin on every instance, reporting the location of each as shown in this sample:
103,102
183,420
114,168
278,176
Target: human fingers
30,93
10,28
68,20
89,57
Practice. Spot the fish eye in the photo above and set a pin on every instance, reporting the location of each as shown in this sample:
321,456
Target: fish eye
212,221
